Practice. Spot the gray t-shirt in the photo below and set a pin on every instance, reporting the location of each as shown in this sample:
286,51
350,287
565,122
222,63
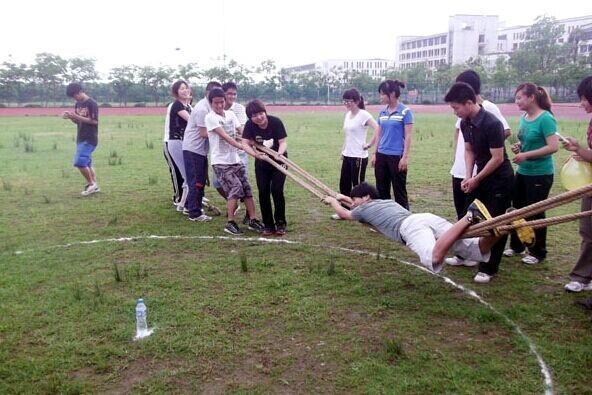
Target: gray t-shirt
192,141
385,215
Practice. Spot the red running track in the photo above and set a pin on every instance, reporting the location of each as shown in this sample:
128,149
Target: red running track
561,110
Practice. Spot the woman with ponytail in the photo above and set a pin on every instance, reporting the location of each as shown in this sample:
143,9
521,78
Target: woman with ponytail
354,153
393,143
534,175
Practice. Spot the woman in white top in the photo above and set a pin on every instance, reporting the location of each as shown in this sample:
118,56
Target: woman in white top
354,154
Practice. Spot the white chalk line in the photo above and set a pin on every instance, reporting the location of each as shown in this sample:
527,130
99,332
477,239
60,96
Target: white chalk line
548,381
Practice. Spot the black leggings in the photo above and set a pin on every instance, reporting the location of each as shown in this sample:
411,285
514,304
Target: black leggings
270,182
353,172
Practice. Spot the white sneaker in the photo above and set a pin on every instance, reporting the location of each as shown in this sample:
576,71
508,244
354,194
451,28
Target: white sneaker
335,217
201,218
510,252
180,208
576,286
482,278
457,261
90,189
530,260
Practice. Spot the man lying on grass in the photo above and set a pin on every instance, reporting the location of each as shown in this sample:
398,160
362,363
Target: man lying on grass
428,235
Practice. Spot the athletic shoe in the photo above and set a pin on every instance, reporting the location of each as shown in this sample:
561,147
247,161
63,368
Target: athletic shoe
280,230
256,225
335,217
246,220
458,261
201,218
530,260
180,208
477,212
90,189
268,232
576,286
185,211
510,253
232,228
482,278
585,303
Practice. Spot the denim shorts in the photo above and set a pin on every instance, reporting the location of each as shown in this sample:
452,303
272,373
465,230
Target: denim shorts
83,156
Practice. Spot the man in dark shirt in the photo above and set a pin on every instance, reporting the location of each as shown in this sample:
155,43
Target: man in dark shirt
484,146
86,118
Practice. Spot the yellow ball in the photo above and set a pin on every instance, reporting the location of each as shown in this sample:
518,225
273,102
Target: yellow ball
576,174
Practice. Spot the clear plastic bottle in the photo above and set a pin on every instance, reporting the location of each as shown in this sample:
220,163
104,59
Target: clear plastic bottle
141,321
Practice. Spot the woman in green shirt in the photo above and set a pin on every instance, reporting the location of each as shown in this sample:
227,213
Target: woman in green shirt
534,175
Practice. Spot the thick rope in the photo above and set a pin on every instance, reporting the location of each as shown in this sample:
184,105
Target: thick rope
535,224
535,208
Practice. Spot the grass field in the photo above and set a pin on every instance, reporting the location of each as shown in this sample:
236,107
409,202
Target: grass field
251,316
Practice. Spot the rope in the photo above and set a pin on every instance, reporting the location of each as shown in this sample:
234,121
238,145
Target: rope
533,209
535,224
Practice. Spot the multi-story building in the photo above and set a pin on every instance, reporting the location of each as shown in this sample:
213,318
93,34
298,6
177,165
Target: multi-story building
372,67
473,36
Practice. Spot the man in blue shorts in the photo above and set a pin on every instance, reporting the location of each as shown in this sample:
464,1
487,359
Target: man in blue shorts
86,118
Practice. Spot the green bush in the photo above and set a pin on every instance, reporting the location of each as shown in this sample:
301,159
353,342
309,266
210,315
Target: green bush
32,105
105,105
140,105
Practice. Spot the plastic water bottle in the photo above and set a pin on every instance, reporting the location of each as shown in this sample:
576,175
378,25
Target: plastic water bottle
141,322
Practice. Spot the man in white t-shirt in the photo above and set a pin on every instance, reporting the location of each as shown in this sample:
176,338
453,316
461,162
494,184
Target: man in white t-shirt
223,129
458,170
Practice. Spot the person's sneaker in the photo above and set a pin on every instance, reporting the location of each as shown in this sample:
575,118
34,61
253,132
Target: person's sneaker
201,218
246,220
576,286
280,230
477,212
268,232
232,228
510,253
90,189
530,260
335,216
180,208
256,225
482,278
585,303
458,261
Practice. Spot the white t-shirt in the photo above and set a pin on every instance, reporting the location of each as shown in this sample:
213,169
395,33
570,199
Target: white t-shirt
355,134
458,167
240,112
222,153
167,122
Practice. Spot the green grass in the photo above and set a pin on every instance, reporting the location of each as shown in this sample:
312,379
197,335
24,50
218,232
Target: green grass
251,317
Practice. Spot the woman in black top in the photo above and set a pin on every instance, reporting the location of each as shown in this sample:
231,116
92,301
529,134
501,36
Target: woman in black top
269,131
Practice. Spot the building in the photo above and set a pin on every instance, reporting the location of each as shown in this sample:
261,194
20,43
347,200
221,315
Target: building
373,67
473,36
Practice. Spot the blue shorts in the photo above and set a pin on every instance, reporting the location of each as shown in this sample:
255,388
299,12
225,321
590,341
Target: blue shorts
83,156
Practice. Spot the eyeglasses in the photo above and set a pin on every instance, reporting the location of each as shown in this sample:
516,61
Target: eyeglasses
348,101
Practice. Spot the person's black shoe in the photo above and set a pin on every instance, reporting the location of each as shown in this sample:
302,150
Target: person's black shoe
256,225
585,303
232,228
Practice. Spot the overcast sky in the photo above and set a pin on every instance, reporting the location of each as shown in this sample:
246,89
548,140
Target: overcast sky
148,32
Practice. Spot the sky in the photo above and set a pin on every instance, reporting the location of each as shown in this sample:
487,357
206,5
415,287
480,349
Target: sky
149,32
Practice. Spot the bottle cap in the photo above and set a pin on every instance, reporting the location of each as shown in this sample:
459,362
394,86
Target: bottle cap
140,300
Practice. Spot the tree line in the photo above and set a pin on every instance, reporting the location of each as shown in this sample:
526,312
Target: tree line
542,59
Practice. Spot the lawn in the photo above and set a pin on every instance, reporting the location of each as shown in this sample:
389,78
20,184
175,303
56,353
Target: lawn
329,308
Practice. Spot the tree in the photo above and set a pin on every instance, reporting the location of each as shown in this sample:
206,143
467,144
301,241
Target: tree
16,82
49,70
121,79
81,69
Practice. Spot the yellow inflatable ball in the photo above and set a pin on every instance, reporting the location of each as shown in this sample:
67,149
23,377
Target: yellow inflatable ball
576,174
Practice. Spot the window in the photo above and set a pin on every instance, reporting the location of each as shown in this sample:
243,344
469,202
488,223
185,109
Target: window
436,40
443,40
481,38
437,52
431,53
431,42
443,52
502,37
424,53
419,44
425,42
515,46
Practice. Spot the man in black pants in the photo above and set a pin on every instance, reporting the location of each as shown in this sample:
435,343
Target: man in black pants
269,131
484,146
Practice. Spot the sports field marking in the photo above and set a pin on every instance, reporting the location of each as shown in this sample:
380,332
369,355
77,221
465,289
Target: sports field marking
548,381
